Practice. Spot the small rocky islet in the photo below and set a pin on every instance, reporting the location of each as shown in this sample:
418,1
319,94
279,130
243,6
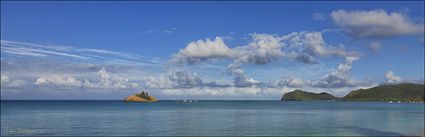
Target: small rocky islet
141,97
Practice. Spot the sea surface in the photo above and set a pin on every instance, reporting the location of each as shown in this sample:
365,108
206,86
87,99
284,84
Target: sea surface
211,118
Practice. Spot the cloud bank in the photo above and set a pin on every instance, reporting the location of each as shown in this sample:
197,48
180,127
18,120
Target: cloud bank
302,47
376,23
104,80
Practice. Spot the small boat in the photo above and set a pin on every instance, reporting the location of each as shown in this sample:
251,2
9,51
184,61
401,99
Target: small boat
399,102
184,101
390,102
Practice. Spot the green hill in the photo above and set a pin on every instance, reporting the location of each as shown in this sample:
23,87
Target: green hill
399,92
303,95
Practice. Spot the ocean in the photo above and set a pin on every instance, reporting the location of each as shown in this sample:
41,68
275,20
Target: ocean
211,118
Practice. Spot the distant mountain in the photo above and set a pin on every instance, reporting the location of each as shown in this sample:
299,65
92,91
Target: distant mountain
400,92
303,96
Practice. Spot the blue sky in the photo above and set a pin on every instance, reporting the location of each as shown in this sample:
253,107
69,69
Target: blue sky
77,50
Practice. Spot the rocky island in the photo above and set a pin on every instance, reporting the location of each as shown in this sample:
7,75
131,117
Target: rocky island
405,92
141,97
299,95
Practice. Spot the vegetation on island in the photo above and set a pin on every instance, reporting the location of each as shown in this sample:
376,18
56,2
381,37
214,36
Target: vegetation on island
143,96
406,92
300,95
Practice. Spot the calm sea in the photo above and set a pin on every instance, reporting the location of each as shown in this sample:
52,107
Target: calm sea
212,118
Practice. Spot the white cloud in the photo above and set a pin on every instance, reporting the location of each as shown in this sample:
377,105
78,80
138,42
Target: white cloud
375,46
29,49
290,81
175,79
263,49
52,52
166,31
240,78
170,31
200,50
306,59
315,43
376,23
339,77
108,52
391,78
104,80
34,52
7,82
58,81
252,91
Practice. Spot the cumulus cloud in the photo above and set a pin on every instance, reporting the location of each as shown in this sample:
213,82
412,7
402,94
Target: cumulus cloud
391,78
339,77
176,79
263,49
375,46
7,82
201,50
316,45
336,79
240,78
306,59
376,23
290,81
104,80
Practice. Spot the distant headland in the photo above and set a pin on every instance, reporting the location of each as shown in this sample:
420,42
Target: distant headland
406,92
300,95
141,97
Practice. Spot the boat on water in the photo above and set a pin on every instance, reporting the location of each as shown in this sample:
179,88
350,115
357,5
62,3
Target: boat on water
390,102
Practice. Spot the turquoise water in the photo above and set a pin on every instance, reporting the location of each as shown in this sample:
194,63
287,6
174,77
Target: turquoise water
212,118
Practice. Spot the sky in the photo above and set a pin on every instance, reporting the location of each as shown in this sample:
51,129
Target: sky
107,50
